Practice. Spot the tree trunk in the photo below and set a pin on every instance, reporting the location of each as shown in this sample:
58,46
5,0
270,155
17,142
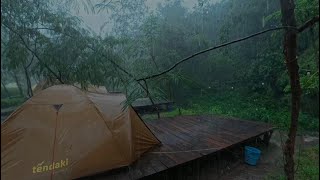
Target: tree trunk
290,52
5,89
29,87
18,84
153,57
169,90
113,84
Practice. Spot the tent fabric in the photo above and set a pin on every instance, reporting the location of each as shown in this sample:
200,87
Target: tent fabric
65,133
94,89
47,83
44,84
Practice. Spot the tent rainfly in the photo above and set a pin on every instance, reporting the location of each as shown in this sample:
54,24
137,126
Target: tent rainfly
65,133
47,83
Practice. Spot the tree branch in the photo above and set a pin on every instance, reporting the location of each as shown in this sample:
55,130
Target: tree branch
308,24
57,76
112,62
120,68
35,49
213,48
149,96
43,28
34,53
28,65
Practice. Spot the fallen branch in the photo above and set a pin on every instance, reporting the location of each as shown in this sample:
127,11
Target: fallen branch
308,24
213,48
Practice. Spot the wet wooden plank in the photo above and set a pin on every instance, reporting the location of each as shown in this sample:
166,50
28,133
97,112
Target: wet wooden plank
201,135
199,140
144,167
135,173
156,164
170,144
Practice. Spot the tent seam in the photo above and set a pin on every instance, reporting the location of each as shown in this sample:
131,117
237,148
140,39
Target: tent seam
102,116
145,124
54,143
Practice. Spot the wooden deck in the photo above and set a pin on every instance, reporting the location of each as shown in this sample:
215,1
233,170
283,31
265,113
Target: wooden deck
186,138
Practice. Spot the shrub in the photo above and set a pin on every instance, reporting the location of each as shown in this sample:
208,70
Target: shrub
9,102
257,108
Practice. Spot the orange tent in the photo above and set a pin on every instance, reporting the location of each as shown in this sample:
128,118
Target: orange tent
47,83
44,84
65,133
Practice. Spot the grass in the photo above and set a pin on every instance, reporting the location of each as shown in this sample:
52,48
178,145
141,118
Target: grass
309,164
228,104
307,168
254,108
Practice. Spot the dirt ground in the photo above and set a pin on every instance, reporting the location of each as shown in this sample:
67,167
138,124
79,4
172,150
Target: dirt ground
271,159
229,164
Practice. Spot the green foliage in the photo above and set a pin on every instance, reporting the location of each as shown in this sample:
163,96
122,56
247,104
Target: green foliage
49,43
143,43
276,16
256,108
306,9
307,165
10,102
309,72
13,91
310,83
248,80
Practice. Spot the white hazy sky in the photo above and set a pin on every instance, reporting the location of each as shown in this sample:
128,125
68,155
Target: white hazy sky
95,21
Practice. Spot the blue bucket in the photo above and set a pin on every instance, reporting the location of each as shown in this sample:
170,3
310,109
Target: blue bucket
251,155
170,108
